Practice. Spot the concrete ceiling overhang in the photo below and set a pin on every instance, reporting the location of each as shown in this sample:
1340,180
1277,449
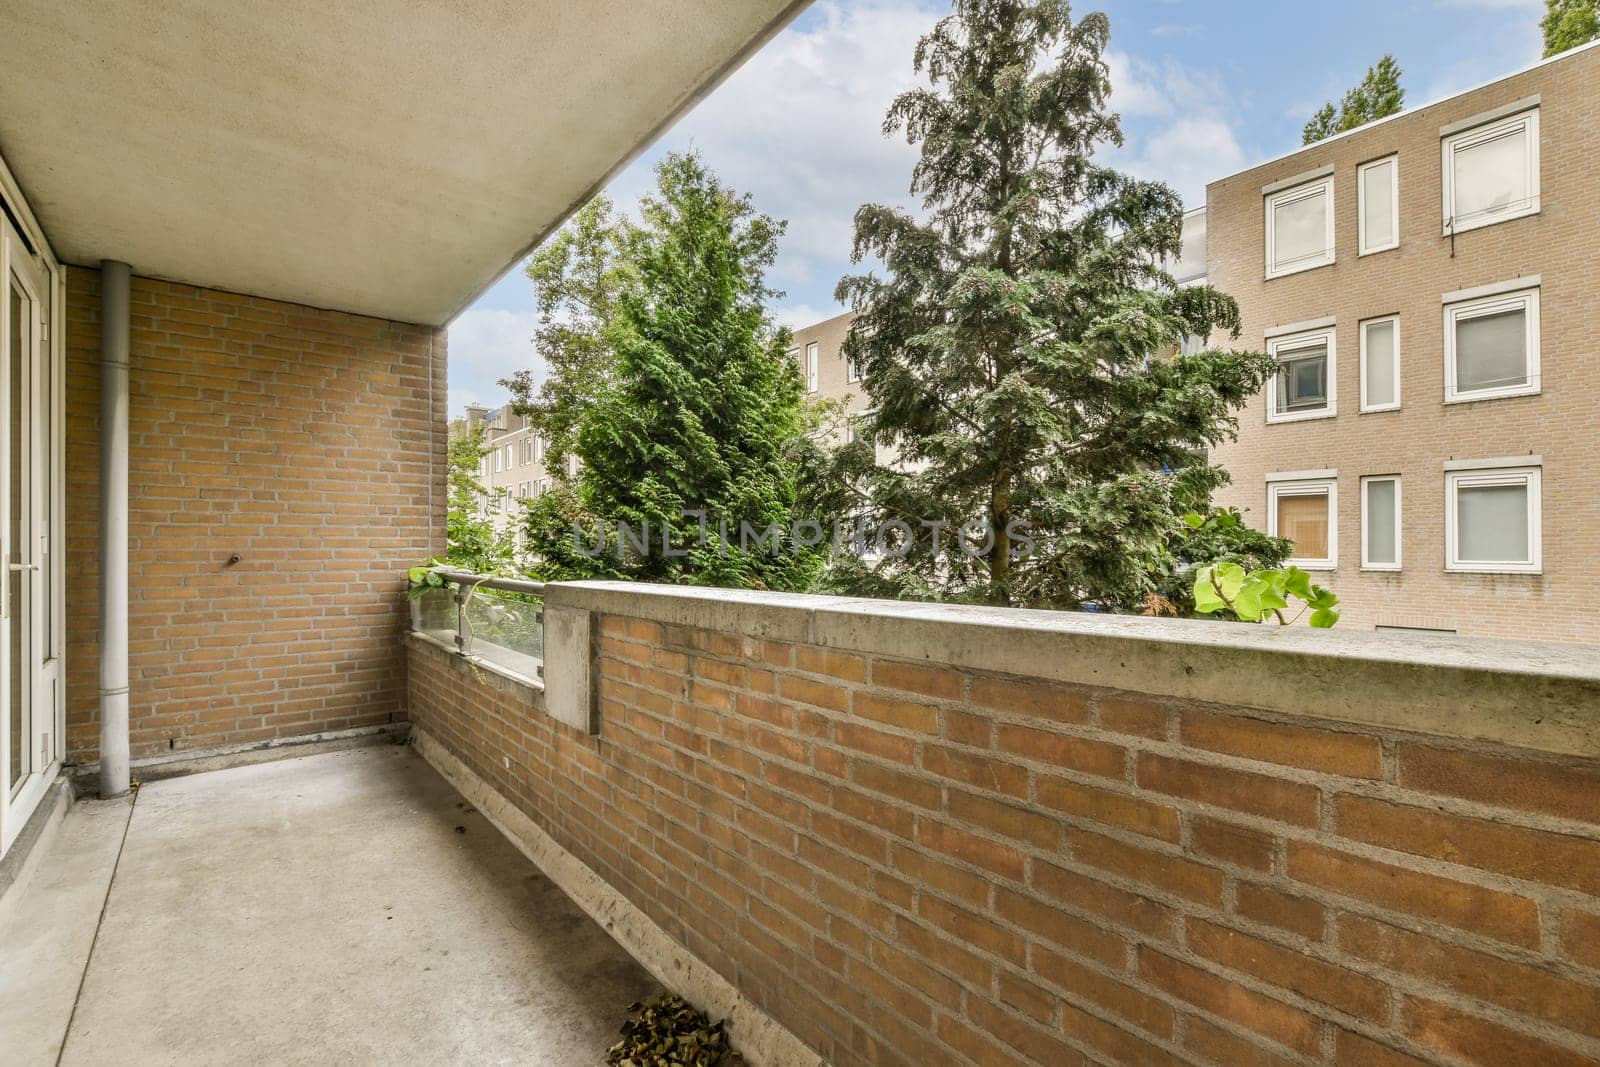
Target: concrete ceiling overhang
385,157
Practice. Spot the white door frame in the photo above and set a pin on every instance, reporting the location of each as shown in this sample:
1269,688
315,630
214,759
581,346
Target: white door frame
36,562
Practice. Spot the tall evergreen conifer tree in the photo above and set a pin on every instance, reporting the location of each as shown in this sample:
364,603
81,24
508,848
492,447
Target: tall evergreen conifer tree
1020,349
695,405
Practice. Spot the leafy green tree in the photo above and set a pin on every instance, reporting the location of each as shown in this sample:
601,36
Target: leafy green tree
1019,350
473,543
576,276
1379,94
1569,23
699,408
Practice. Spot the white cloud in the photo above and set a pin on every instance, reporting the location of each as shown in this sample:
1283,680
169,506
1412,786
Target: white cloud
1175,122
800,128
1136,89
487,344
1189,153
796,316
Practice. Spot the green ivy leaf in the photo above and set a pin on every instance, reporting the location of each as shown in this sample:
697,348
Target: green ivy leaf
1323,618
1298,582
1206,599
1247,605
1230,576
1272,598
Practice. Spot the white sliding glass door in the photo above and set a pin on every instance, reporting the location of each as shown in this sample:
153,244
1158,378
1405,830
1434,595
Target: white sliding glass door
30,515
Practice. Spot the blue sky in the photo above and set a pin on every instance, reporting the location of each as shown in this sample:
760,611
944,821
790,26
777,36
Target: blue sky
1204,87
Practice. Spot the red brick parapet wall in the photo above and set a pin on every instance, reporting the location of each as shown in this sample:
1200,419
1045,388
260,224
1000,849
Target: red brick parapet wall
309,443
902,861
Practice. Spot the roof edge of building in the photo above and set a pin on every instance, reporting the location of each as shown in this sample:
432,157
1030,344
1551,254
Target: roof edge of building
1559,57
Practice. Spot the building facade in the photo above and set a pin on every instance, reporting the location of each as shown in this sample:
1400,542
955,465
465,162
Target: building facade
514,469
1426,283
818,350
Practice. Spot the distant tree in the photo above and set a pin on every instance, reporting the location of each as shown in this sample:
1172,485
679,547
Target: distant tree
472,542
696,409
1019,351
576,277
1569,23
1378,95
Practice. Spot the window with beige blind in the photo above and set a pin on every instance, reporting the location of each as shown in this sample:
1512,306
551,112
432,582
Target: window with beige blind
1304,510
1491,344
1300,227
1492,515
1491,172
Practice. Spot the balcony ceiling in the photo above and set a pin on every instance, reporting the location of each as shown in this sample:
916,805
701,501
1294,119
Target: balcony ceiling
385,157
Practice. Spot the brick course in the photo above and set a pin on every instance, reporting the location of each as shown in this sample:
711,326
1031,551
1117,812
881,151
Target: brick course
301,440
909,889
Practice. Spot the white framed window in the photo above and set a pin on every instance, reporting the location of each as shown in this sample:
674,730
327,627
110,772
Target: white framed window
1378,190
1300,228
811,367
1303,387
1380,523
852,370
1491,346
497,461
1303,507
1380,364
1491,173
538,448
1492,516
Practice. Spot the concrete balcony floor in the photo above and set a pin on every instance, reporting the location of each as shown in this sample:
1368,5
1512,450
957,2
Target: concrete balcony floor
347,907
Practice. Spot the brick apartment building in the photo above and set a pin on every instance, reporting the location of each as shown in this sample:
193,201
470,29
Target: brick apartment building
1427,284
863,832
514,470
818,351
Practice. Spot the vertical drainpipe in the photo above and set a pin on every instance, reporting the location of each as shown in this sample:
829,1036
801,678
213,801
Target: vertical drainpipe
114,279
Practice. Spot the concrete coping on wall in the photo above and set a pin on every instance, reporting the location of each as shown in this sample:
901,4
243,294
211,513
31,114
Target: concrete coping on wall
1535,695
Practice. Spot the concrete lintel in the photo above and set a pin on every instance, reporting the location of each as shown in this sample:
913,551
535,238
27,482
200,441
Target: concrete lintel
1297,179
1533,695
1482,118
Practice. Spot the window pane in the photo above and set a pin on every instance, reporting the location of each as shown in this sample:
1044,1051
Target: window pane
1377,191
1303,379
1380,356
1300,230
1492,176
1491,351
1380,520
1304,520
1492,523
